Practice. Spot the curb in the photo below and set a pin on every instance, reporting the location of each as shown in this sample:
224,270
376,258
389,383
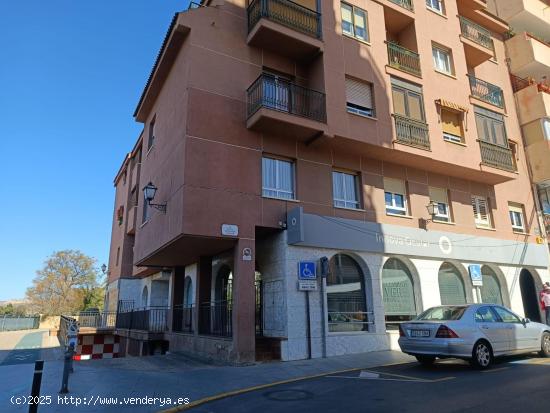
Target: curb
183,407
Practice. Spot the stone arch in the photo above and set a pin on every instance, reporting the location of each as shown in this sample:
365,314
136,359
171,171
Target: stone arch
465,277
504,291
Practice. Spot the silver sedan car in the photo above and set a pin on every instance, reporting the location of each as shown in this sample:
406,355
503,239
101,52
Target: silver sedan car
475,332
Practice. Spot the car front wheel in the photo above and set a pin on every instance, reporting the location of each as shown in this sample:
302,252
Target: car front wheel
545,345
482,355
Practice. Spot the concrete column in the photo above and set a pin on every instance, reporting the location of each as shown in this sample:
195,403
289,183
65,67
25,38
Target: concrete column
244,331
203,286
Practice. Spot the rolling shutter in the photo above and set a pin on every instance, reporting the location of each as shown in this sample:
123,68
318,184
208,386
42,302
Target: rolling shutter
490,291
451,287
438,195
359,93
395,186
451,122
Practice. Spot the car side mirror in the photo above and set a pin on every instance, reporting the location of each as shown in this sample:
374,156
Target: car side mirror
525,321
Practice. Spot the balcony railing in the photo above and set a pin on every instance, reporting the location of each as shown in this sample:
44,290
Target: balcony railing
183,318
519,83
287,13
215,319
496,156
404,59
153,319
412,132
279,94
476,33
406,4
96,319
486,91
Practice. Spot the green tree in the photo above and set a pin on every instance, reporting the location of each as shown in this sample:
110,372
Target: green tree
69,282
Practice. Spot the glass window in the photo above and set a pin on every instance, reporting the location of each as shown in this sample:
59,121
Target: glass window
277,178
151,139
546,127
436,5
452,126
395,196
276,92
485,315
398,293
481,211
354,22
451,286
490,127
516,217
442,313
442,60
544,197
408,103
344,187
359,97
491,290
146,210
346,302
442,210
506,316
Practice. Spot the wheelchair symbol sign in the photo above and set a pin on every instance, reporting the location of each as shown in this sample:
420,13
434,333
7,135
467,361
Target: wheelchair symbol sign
306,270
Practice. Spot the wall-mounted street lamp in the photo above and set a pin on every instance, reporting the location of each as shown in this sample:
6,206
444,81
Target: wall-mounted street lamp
149,191
103,269
432,210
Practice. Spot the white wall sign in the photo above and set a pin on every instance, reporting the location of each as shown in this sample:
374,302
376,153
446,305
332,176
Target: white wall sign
230,230
307,285
247,254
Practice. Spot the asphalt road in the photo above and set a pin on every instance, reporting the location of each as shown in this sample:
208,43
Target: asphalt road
27,350
512,385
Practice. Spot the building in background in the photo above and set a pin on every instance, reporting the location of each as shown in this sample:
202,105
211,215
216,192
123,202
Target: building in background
374,142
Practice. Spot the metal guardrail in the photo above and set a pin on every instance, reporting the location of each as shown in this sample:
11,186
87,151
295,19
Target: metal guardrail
95,319
496,156
406,4
215,319
182,318
274,93
486,91
287,13
151,319
412,132
64,322
476,33
13,323
403,59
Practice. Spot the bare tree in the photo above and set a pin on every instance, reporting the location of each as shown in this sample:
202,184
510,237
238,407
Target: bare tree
68,282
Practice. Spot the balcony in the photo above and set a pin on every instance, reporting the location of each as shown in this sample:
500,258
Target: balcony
529,56
486,92
496,156
411,132
477,41
406,4
526,15
285,27
283,107
150,320
533,99
403,59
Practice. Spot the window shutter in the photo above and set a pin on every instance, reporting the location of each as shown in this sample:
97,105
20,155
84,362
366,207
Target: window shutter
451,122
346,13
481,210
516,208
395,186
438,195
359,93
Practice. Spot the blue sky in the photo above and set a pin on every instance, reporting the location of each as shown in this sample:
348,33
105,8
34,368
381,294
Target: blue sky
71,75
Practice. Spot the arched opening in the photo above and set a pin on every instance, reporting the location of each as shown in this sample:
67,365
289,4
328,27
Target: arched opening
451,285
221,307
529,296
398,293
491,291
188,292
144,297
346,302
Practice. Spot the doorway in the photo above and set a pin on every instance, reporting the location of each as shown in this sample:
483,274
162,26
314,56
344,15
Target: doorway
529,296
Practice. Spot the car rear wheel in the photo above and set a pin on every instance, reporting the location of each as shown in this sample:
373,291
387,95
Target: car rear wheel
425,360
545,345
482,355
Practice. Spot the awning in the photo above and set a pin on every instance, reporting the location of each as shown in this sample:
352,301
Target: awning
451,105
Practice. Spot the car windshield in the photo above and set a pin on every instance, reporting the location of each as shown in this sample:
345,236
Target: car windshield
442,313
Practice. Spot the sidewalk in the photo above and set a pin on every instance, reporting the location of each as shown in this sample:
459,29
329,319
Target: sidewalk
174,376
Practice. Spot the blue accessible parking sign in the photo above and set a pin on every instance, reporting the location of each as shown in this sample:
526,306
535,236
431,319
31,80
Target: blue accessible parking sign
307,270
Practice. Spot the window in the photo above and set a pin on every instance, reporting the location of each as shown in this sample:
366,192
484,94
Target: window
398,293
395,196
276,92
407,100
436,5
506,316
451,286
151,139
345,190
354,22
490,126
117,256
442,210
277,178
346,296
544,198
481,211
146,210
443,61
485,315
359,97
546,128
490,290
443,313
452,126
516,217
514,149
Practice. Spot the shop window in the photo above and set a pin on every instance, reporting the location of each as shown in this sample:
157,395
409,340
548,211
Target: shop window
451,285
346,303
398,293
491,292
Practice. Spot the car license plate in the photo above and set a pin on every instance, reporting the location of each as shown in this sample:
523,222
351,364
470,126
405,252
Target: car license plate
420,333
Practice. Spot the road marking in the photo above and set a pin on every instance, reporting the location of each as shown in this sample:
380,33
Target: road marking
495,370
540,361
379,379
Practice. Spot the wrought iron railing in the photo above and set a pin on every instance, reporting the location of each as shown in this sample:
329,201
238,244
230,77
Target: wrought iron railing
215,319
403,59
497,156
412,132
406,4
152,319
486,91
272,92
96,319
476,33
182,321
287,13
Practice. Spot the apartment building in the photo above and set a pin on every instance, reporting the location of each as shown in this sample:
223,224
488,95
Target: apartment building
372,143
